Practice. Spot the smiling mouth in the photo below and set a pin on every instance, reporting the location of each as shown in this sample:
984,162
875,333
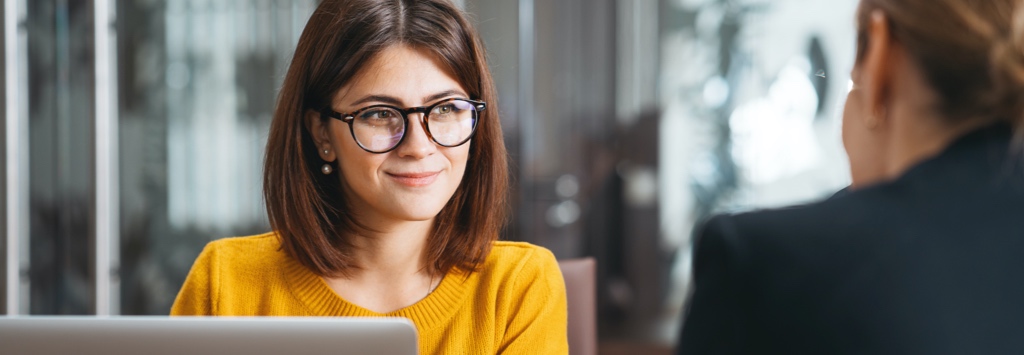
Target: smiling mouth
415,179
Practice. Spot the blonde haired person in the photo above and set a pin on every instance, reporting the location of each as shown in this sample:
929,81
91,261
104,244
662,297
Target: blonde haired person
925,251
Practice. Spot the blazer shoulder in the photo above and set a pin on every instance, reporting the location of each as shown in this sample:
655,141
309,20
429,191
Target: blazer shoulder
745,236
830,217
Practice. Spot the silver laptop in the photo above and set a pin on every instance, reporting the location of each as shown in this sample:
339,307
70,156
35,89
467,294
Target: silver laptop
206,335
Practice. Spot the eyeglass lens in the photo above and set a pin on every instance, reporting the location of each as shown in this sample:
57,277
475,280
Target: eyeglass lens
450,123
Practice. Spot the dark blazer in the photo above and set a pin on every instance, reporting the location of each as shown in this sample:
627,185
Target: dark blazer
930,263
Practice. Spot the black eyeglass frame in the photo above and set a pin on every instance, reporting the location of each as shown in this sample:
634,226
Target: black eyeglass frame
425,110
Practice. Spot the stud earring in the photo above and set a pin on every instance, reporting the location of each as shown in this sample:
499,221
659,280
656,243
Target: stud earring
326,151
326,169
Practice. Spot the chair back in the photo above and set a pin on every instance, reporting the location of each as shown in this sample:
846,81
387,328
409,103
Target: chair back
581,295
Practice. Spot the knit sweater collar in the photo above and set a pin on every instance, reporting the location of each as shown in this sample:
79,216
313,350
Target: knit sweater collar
435,309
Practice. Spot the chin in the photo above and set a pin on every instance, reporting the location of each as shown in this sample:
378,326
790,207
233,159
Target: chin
419,216
417,211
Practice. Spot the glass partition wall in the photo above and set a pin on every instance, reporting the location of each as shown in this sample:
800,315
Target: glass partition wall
161,151
61,141
198,84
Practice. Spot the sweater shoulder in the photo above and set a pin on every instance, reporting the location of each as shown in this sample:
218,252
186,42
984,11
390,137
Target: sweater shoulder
246,252
513,258
510,252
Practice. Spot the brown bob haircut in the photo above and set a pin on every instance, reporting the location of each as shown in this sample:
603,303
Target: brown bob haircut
970,51
308,209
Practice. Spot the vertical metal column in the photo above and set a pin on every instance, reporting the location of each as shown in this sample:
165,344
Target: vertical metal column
525,111
526,60
107,198
3,181
16,141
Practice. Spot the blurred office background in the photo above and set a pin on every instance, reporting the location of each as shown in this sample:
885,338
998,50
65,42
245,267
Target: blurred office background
134,133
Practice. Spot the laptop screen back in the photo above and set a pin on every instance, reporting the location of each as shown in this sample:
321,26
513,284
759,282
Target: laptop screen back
206,335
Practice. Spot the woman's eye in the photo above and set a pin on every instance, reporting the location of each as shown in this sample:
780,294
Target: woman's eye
377,115
445,109
380,118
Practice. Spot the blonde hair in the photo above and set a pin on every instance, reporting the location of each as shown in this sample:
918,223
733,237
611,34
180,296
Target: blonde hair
971,52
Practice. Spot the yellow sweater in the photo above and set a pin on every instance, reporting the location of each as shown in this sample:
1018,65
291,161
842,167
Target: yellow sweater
514,305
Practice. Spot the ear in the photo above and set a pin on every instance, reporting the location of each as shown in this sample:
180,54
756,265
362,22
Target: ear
320,130
876,69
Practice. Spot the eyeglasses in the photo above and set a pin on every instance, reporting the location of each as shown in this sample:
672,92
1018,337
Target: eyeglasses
381,128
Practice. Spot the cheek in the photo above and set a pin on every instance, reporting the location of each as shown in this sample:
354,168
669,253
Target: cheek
855,133
458,158
849,115
859,142
357,167
348,172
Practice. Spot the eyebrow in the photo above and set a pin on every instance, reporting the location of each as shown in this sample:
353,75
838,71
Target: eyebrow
395,101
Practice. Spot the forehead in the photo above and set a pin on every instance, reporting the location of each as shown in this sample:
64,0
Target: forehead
401,72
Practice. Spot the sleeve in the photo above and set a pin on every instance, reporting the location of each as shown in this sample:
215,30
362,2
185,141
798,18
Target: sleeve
538,321
196,296
714,321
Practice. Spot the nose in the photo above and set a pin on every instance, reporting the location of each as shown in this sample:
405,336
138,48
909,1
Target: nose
416,144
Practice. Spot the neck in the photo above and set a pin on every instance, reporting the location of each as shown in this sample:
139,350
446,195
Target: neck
393,252
918,136
392,272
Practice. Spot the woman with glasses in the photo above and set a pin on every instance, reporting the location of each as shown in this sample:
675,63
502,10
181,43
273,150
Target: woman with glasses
924,253
385,183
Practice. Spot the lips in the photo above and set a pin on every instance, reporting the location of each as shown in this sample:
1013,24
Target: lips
414,179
